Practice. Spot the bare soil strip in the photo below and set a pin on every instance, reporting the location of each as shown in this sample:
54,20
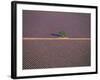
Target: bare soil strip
56,38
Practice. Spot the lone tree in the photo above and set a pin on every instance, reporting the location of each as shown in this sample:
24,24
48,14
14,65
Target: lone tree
62,34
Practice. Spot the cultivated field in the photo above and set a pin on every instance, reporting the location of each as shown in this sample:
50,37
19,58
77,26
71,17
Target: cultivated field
55,52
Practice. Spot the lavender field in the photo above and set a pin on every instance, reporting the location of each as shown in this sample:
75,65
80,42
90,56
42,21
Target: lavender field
55,53
42,47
